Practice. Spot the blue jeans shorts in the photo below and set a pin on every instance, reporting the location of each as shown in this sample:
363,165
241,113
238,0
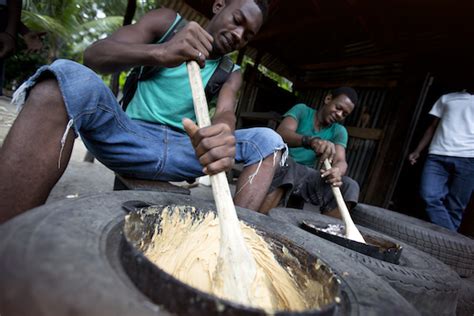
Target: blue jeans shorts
132,147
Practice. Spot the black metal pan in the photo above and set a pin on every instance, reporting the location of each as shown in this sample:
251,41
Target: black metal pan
376,247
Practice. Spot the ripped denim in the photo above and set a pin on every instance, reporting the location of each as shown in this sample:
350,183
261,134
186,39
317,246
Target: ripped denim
132,147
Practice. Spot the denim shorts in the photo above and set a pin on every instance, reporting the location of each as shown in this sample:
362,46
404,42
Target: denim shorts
132,147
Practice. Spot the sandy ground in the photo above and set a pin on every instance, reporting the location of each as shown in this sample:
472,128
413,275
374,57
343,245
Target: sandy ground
80,178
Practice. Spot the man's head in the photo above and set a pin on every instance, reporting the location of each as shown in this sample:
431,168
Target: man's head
337,105
235,23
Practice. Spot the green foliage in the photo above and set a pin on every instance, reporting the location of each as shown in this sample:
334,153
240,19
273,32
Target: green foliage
91,31
281,81
72,25
41,22
69,25
21,65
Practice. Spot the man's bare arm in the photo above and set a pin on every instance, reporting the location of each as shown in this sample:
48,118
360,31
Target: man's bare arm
424,141
215,145
340,159
334,175
287,130
227,99
135,45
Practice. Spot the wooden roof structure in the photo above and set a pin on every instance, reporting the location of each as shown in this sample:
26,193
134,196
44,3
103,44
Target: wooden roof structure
304,36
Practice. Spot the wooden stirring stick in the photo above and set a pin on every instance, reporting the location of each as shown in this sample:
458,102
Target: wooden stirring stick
351,230
236,267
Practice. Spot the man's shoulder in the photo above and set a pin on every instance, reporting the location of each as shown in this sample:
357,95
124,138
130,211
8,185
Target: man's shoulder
301,106
338,134
159,20
337,127
454,96
298,108
164,13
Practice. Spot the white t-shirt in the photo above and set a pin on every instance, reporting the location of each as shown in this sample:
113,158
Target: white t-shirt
454,135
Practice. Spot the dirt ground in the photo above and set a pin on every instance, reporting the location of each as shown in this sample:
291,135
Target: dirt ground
80,178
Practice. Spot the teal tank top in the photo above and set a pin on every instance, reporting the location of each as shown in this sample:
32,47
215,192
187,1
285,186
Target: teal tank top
166,98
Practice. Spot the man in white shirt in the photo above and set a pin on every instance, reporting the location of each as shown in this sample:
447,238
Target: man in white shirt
447,181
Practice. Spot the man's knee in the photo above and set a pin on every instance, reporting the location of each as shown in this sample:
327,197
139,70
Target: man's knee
257,144
46,91
350,189
429,197
268,137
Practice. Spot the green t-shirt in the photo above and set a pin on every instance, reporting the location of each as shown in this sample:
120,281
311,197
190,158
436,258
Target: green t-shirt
166,98
304,115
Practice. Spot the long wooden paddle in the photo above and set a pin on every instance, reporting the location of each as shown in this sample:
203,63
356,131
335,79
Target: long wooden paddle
236,267
351,230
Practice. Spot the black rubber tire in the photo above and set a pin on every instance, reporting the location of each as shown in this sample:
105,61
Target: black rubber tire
62,259
428,284
454,249
466,298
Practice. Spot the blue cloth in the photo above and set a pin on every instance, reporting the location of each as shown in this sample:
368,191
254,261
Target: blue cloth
446,187
133,147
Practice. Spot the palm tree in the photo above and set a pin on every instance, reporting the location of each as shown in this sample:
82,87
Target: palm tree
72,25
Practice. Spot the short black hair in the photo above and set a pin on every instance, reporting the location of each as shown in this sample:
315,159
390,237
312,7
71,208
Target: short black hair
347,91
263,5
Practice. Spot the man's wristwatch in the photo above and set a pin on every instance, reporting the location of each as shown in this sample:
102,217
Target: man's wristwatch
306,142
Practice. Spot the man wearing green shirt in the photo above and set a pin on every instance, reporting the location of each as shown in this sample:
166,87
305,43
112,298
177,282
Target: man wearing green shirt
313,136
156,139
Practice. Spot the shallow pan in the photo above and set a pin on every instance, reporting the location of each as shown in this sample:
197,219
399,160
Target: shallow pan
376,247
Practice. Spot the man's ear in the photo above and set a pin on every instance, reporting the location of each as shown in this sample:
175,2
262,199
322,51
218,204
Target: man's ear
218,6
327,99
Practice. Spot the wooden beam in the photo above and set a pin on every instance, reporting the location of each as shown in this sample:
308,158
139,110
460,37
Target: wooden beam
365,133
355,62
361,83
290,29
261,116
240,56
130,12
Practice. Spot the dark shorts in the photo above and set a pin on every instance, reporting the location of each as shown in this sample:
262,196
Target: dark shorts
306,183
